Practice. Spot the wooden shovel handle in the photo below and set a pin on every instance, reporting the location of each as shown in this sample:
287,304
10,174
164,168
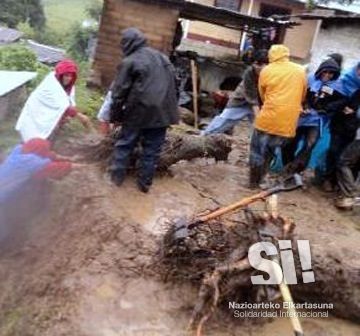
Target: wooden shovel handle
243,203
272,209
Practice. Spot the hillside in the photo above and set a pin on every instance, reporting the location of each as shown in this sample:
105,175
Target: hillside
61,15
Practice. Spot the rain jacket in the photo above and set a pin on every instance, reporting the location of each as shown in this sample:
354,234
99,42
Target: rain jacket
32,160
282,88
349,82
17,169
144,92
246,92
321,96
343,124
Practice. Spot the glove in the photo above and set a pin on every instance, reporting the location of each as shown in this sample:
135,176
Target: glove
104,127
71,112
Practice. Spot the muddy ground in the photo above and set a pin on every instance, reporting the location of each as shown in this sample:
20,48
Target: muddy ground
83,266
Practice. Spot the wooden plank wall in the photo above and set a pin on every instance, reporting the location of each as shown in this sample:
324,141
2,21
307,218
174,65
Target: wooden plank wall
158,24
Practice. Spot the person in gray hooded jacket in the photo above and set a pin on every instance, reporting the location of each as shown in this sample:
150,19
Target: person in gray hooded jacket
144,101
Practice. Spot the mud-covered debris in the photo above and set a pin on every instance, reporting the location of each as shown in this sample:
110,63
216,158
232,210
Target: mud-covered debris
213,256
180,145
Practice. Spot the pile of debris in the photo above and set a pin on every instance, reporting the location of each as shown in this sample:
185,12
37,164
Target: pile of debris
214,255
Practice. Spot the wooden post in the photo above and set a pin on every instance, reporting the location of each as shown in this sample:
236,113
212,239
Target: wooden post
280,35
194,75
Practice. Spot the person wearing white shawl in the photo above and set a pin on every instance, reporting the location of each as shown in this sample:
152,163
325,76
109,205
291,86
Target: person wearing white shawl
51,104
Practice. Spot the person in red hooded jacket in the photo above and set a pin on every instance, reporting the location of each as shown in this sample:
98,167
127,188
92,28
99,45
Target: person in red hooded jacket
51,104
66,73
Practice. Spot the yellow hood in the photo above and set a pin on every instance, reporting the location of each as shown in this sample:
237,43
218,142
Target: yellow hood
278,52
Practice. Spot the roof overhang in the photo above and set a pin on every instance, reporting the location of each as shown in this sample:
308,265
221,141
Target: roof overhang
220,16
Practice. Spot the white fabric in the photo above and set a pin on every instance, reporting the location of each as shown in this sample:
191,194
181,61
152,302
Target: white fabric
104,112
44,109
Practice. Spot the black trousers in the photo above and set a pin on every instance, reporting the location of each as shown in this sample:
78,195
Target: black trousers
151,141
338,144
348,169
296,162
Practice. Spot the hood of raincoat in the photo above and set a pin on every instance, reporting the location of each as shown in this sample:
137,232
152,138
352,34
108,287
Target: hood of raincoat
278,52
328,65
338,58
132,40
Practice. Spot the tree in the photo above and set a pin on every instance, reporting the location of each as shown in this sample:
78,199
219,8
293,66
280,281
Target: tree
78,42
12,12
94,10
35,13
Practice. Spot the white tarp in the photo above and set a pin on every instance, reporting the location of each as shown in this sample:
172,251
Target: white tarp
11,80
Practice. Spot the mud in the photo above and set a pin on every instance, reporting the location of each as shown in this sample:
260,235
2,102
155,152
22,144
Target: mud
82,266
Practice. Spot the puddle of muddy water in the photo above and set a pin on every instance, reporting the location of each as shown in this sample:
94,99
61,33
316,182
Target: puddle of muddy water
169,198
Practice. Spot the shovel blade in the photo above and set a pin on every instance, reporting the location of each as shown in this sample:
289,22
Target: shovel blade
181,228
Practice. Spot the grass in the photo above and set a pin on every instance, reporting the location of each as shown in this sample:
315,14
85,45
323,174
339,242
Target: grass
9,137
88,101
62,15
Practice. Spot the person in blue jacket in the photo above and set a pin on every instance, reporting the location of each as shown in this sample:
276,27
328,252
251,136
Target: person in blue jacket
321,95
23,170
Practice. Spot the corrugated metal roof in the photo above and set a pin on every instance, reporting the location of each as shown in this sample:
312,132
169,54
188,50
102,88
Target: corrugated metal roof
8,35
11,80
46,54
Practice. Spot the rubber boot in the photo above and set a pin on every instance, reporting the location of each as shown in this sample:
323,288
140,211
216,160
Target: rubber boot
255,177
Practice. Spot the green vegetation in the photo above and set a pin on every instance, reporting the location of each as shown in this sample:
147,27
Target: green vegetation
88,101
78,41
64,19
12,12
9,137
17,57
62,15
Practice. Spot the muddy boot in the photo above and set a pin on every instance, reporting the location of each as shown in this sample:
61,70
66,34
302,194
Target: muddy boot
144,188
327,186
345,203
117,179
255,177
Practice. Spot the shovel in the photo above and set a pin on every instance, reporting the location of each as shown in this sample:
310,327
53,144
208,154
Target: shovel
182,227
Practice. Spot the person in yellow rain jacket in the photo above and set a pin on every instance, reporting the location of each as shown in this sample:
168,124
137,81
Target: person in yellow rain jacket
282,88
